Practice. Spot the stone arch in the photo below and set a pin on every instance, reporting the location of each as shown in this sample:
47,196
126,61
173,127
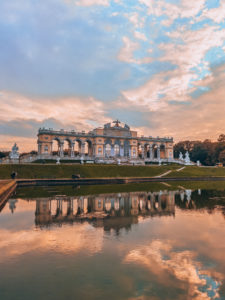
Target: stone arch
116,150
117,142
108,147
77,146
56,142
147,150
155,151
67,146
88,147
140,150
126,148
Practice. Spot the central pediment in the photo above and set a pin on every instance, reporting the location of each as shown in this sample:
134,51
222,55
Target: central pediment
117,129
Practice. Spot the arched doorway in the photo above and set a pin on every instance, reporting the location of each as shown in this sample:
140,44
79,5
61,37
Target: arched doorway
88,148
155,151
147,151
67,147
126,148
77,148
116,150
56,147
140,151
108,150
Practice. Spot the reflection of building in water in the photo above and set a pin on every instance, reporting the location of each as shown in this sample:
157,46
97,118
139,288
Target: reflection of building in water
104,209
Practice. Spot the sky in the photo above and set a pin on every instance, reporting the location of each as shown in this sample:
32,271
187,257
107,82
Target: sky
157,65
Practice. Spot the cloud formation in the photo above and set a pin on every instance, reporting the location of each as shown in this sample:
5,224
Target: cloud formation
78,62
182,265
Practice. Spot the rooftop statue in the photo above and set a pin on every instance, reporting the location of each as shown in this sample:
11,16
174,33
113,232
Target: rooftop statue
117,123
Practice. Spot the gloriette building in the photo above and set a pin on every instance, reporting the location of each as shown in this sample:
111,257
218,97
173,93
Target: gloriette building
114,142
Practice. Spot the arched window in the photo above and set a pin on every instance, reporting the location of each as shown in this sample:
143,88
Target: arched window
117,150
126,148
108,150
46,149
134,152
99,150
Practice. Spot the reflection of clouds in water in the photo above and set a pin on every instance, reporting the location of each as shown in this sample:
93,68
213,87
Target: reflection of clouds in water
67,240
159,257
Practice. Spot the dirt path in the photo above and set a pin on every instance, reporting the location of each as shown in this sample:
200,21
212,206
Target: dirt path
164,174
180,169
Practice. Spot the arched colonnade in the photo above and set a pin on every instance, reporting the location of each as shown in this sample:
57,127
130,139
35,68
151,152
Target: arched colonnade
151,151
69,147
107,148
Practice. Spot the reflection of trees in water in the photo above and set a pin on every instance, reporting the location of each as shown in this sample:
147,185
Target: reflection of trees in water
207,199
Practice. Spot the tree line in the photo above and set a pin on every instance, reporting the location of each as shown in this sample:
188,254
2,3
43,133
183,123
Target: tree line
207,152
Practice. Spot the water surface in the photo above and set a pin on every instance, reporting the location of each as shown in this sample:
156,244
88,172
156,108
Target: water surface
150,244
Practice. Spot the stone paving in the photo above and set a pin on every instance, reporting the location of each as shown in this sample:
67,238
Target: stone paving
3,182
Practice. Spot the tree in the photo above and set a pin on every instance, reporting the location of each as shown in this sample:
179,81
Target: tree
3,154
199,152
222,157
221,138
208,152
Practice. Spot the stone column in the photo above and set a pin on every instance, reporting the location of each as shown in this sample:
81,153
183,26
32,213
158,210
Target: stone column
82,149
121,151
151,153
39,148
112,151
93,150
129,151
158,152
142,151
134,155
61,154
50,152
72,150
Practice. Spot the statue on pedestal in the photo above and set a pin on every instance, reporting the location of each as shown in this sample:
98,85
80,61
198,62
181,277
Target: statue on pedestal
187,159
14,154
181,156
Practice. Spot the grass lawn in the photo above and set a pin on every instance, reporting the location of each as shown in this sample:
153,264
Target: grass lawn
193,171
32,171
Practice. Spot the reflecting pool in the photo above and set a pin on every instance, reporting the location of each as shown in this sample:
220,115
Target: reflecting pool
62,243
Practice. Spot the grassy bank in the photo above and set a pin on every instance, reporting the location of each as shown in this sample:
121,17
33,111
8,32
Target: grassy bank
193,171
52,171
32,171
50,191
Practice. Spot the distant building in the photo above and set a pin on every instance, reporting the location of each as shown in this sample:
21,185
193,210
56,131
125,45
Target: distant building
112,142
